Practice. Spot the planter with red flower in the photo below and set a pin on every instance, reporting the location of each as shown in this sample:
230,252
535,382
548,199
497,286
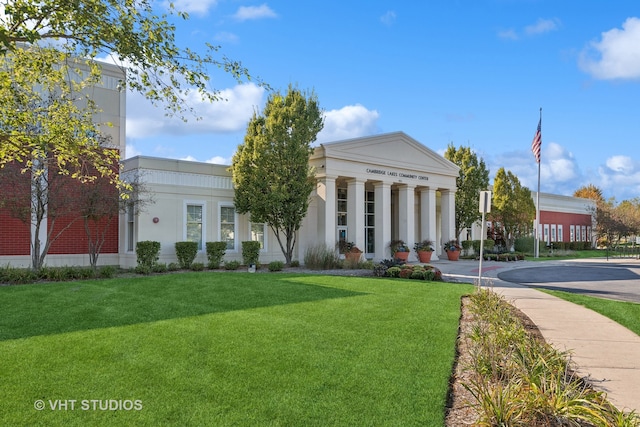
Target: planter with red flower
399,250
452,248
424,250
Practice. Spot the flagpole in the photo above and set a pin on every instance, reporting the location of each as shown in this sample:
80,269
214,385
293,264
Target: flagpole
537,222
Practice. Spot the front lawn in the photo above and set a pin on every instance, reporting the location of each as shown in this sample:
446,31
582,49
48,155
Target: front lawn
228,349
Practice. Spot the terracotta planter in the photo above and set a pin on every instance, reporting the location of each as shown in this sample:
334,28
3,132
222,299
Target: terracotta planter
353,256
401,256
424,256
453,255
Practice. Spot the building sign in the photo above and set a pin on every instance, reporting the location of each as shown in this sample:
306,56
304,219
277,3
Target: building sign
396,174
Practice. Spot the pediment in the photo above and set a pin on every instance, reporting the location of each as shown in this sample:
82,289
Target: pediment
395,150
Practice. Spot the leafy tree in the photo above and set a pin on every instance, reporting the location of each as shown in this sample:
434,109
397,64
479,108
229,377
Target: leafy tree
271,172
473,178
49,46
512,206
589,191
99,204
42,201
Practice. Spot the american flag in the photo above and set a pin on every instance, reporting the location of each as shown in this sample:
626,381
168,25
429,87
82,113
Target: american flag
537,142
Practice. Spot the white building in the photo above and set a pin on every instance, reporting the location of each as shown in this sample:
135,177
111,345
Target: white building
370,191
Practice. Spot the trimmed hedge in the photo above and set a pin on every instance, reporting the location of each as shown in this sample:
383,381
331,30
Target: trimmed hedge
251,252
186,253
147,253
215,253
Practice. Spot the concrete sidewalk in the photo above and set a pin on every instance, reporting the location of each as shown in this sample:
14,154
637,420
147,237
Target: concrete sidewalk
604,351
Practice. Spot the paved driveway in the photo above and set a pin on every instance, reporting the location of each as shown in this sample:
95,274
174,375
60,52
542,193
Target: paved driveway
617,280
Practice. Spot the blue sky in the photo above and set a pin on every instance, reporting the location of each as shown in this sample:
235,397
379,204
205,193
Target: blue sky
467,72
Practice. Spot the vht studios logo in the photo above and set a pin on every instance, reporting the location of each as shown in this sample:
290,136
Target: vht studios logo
88,405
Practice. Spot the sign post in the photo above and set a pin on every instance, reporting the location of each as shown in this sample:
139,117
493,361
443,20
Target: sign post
485,207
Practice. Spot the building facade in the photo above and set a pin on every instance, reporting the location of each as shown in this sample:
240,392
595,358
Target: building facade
71,248
370,191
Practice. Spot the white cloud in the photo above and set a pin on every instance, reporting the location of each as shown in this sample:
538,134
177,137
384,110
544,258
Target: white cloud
219,160
621,164
199,7
351,121
228,115
246,13
559,172
388,18
616,55
542,26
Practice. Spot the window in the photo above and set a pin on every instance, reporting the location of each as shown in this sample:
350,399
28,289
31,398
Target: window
194,224
584,233
258,233
546,233
588,233
572,233
553,232
369,222
131,215
560,234
228,226
342,207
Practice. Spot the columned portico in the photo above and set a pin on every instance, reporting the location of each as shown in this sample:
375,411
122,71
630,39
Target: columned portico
327,210
448,202
376,189
355,212
406,214
428,217
382,195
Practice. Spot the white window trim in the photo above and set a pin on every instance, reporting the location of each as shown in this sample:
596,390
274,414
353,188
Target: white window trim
266,234
235,224
203,204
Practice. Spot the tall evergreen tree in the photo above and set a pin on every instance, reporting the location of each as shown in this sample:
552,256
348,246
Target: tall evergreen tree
512,206
473,178
271,172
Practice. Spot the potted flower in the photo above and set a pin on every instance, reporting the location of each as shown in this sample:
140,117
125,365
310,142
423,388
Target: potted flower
424,250
350,251
399,250
452,248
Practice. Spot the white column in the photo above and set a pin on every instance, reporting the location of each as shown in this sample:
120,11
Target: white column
355,212
428,218
448,210
327,210
382,196
406,215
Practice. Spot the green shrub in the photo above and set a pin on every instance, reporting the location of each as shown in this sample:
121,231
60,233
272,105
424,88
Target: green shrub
186,252
173,266
159,268
394,271
143,269
524,244
321,257
251,252
231,265
147,253
295,263
215,253
488,246
276,266
107,271
197,266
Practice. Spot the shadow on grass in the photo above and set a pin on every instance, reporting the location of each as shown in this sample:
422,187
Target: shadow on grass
45,309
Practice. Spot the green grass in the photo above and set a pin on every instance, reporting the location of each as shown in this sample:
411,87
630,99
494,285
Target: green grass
229,349
564,254
625,313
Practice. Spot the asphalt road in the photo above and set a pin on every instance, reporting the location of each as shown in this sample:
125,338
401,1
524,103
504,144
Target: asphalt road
619,281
